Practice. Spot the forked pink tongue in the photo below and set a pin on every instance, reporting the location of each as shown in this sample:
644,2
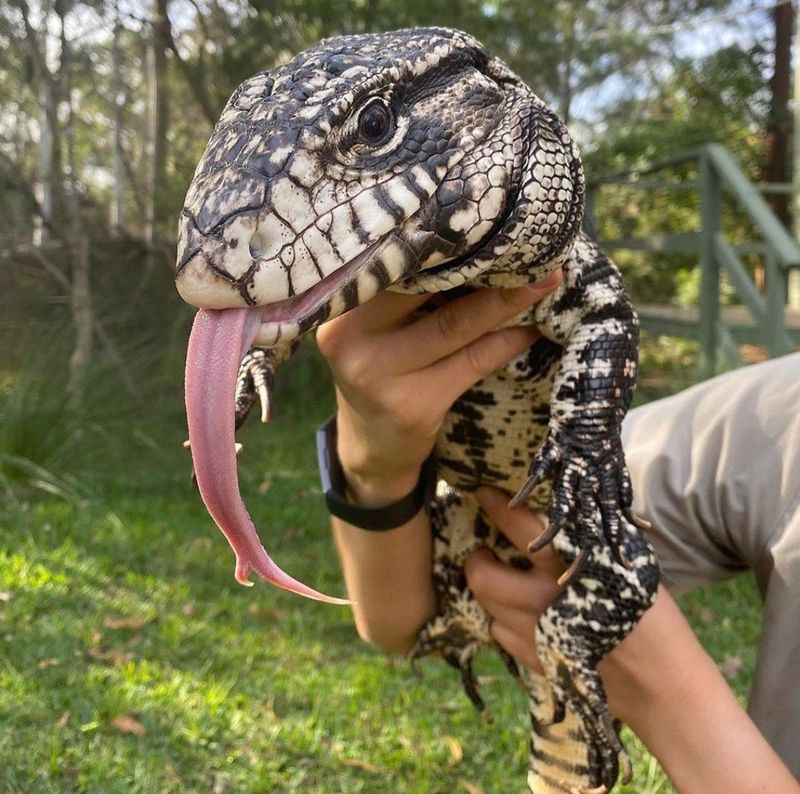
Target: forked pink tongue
218,341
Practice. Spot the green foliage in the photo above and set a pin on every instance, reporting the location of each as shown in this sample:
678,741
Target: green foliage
722,98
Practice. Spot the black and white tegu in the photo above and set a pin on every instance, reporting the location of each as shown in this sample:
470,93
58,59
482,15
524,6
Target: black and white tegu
415,161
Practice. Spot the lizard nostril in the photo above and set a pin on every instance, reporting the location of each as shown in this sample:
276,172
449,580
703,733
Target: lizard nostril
258,244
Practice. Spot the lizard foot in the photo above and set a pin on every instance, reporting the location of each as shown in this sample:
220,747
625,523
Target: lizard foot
577,687
590,480
458,648
255,381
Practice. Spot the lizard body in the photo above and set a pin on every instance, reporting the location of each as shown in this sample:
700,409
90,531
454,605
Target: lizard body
415,161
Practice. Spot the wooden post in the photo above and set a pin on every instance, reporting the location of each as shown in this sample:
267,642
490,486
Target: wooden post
776,303
710,210
793,290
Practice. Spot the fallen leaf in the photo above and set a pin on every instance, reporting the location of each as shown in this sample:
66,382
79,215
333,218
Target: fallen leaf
264,486
43,664
361,764
6,595
114,657
262,612
731,666
220,785
132,623
456,750
64,719
187,610
126,724
471,788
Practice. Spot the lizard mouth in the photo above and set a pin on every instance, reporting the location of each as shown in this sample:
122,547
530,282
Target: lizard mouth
284,319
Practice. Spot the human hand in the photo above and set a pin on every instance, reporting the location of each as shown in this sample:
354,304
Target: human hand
397,374
514,598
658,679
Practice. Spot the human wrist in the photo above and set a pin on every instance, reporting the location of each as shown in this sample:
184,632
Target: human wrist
375,487
378,466
635,685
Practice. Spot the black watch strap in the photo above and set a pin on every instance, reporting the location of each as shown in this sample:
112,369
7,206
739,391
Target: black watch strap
334,486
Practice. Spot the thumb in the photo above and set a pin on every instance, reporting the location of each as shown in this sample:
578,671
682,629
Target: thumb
520,526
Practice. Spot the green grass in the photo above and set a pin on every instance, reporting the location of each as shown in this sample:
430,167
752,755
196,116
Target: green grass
123,605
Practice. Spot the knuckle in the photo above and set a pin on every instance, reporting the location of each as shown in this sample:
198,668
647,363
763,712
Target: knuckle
478,359
357,370
330,340
479,577
511,302
450,321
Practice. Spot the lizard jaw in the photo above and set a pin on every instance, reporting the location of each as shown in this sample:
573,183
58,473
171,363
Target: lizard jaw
377,267
283,320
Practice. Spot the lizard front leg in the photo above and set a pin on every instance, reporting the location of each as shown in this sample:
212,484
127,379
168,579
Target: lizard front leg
590,315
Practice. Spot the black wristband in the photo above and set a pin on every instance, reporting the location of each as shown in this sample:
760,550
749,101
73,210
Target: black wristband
377,519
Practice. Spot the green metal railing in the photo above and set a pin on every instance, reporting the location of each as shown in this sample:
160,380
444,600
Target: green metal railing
764,317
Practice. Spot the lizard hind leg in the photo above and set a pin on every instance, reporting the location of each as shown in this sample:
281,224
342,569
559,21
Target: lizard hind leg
446,637
578,689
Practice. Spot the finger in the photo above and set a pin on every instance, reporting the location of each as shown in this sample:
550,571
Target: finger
463,369
520,526
499,586
521,647
387,310
463,320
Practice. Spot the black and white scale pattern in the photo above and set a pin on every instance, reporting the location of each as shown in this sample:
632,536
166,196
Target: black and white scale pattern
415,161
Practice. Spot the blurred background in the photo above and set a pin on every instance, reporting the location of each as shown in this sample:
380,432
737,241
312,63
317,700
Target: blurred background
124,641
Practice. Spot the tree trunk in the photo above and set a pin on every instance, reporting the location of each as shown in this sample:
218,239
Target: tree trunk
43,190
117,210
779,125
77,244
793,290
776,167
82,321
157,122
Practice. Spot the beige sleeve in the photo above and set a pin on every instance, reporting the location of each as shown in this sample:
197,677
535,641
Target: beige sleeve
716,469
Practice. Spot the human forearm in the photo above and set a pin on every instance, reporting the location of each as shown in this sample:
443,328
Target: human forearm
662,683
388,578
659,679
387,573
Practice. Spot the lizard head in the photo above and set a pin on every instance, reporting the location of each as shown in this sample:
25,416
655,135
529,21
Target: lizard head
410,158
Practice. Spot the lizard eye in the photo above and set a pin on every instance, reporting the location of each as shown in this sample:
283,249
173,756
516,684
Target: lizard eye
375,123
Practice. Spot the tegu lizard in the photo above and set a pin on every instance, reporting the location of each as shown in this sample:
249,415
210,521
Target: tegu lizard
415,161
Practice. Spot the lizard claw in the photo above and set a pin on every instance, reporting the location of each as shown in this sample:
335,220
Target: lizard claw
590,487
548,457
255,382
458,648
575,568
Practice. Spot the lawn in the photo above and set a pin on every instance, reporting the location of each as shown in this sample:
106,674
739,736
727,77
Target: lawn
131,661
